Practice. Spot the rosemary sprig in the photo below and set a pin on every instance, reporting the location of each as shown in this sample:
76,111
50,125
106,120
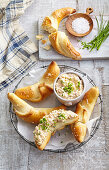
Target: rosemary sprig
103,33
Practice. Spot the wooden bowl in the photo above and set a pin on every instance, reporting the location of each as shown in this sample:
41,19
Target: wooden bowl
78,15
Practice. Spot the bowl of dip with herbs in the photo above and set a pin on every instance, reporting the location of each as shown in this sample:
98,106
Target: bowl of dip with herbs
69,88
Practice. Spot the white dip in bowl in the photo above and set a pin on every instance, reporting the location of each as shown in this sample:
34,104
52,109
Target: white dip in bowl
69,88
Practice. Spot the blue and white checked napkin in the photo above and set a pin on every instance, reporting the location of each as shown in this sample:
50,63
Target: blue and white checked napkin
16,49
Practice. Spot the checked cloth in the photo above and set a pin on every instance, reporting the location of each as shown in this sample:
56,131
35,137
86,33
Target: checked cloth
16,49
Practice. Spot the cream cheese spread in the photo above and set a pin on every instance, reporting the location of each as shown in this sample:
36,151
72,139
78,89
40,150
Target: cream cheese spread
69,86
49,123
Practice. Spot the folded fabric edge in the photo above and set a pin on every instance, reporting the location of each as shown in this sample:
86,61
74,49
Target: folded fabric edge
18,72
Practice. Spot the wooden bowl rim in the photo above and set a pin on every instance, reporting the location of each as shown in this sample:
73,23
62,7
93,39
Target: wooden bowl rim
73,32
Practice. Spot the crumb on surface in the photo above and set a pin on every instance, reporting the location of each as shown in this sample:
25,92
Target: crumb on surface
44,41
39,37
47,47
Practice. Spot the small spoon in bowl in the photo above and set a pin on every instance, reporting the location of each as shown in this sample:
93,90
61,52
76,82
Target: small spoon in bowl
80,15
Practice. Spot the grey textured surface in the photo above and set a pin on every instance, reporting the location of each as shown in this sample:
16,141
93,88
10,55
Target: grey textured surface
15,153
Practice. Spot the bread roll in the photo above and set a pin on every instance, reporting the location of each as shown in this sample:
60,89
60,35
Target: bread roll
56,120
62,45
42,89
51,23
28,113
84,110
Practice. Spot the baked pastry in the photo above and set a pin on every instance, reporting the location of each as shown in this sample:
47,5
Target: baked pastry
47,47
51,23
42,89
27,112
62,45
49,124
84,110
39,37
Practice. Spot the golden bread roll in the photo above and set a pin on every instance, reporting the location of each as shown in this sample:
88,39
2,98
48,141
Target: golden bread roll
42,89
51,23
84,110
62,45
49,124
79,130
27,112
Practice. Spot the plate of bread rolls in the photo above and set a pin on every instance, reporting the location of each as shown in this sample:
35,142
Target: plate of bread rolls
43,121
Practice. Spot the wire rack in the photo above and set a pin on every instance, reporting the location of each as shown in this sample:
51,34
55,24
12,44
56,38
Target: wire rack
69,146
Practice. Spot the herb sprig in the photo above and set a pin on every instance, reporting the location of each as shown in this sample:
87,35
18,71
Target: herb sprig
103,33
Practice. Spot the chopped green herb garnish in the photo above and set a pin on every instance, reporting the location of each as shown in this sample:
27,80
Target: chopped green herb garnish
65,88
68,88
44,120
44,127
78,84
61,141
61,116
44,124
41,121
54,123
70,84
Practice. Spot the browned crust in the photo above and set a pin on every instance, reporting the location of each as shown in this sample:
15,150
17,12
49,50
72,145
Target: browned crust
41,147
53,40
46,22
82,113
25,92
44,88
27,112
59,14
54,70
58,42
84,110
29,94
73,51
79,131
34,116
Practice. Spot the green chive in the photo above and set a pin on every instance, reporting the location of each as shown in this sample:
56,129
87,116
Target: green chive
61,116
78,83
103,33
41,121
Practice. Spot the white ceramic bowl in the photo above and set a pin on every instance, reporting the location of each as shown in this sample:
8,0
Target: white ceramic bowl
69,102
